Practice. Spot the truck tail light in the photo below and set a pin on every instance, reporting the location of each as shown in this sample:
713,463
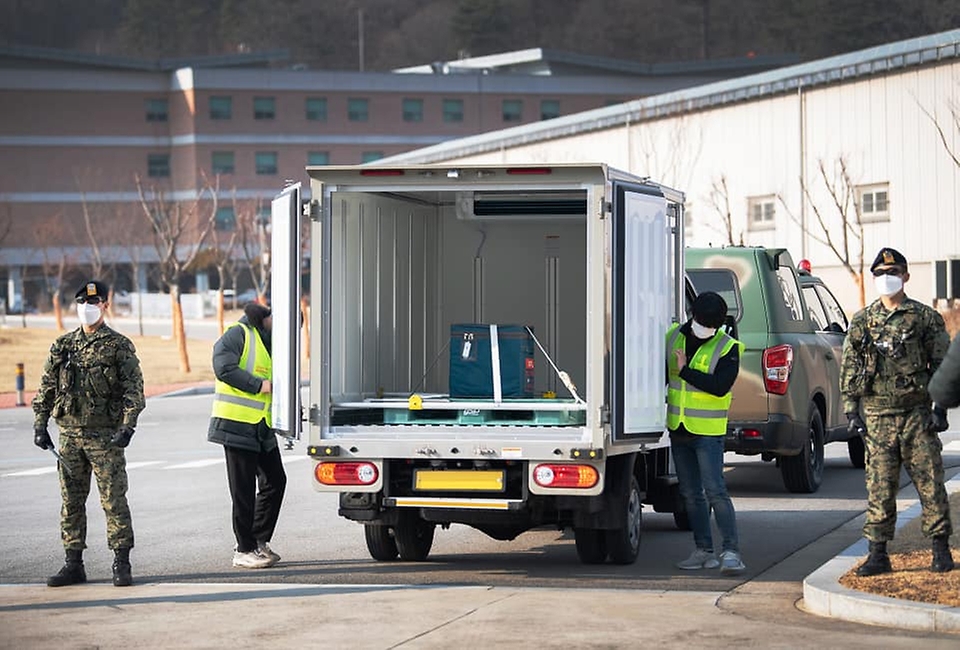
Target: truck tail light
565,476
346,473
777,364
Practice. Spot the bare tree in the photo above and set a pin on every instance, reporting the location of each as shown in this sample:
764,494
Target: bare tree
253,235
848,246
54,262
719,199
180,230
221,255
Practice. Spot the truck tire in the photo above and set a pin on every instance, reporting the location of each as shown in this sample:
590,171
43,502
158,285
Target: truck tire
591,545
414,536
857,452
380,542
803,473
623,542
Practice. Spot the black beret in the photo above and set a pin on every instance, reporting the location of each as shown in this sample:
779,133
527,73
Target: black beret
709,309
92,288
889,257
256,313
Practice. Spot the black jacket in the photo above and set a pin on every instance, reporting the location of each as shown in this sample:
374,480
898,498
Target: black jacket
226,366
944,386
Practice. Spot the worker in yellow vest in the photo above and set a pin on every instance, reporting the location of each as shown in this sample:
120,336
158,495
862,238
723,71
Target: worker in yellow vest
702,363
241,422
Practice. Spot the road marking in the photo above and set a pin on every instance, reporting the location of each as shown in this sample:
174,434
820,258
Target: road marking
34,472
143,463
197,463
293,459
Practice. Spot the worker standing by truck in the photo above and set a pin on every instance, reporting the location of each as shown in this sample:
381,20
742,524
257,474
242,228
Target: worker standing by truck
703,362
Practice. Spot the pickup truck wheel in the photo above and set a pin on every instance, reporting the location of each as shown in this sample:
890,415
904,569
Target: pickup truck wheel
414,537
623,543
591,545
803,473
380,542
857,452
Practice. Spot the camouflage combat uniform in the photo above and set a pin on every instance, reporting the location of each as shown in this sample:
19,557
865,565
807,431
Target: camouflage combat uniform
888,358
92,386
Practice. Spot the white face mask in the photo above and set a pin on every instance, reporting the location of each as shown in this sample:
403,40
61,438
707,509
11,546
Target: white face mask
700,331
888,285
88,314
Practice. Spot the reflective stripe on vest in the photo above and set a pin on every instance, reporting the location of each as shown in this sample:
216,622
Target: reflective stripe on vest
699,412
230,403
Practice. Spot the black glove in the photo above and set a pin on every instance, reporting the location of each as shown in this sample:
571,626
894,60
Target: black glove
938,420
122,437
42,439
855,424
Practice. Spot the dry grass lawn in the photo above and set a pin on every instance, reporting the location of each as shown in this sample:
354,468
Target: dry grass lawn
158,358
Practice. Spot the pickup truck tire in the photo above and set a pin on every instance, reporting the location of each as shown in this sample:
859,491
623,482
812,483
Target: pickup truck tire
414,536
380,542
857,452
591,545
803,473
623,543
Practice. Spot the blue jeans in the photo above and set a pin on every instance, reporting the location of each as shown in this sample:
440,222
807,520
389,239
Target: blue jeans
699,464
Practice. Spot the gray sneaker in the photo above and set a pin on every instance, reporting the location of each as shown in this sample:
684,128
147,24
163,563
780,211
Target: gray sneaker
251,560
264,549
699,559
731,564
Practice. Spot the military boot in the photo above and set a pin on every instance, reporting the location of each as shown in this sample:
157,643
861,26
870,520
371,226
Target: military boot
121,568
942,559
71,573
877,562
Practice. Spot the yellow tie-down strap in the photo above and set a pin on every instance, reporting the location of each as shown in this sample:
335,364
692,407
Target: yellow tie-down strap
466,504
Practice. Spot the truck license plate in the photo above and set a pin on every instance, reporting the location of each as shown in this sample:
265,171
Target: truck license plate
459,480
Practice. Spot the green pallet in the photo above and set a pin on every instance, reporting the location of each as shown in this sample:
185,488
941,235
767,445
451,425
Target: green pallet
486,417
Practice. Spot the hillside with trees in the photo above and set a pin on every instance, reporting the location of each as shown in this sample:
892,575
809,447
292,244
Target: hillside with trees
386,34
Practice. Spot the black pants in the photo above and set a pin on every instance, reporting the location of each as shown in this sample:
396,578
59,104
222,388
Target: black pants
257,482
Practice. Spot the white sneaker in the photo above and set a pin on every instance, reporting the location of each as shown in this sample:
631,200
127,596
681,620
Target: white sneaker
251,560
264,549
699,559
731,564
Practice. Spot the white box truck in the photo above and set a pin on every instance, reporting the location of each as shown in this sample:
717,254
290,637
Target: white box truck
584,261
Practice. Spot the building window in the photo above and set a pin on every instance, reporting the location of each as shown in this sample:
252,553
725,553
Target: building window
512,110
156,110
412,110
453,110
549,109
358,109
316,109
318,157
370,156
225,219
158,165
221,162
264,108
266,162
221,107
874,202
761,211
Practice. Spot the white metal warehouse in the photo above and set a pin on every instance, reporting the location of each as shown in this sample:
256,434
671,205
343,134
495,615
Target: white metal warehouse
890,115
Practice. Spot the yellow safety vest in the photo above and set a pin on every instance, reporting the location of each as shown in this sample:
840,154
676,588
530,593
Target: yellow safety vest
698,411
230,403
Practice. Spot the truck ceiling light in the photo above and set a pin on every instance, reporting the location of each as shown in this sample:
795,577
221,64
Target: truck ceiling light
529,171
453,173
346,473
777,364
381,172
563,475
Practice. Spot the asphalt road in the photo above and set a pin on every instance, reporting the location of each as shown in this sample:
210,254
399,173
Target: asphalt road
181,511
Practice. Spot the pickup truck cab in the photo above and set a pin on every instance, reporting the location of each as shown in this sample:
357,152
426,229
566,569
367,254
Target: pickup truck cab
786,400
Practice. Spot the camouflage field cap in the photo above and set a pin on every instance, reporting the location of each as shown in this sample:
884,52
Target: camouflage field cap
889,257
92,288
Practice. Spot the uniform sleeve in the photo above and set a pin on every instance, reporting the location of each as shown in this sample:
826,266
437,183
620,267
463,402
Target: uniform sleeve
936,340
851,364
47,392
945,383
131,378
226,362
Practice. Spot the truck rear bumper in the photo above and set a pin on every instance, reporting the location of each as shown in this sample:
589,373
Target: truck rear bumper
778,435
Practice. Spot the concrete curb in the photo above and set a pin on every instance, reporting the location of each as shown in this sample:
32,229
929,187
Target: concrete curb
825,596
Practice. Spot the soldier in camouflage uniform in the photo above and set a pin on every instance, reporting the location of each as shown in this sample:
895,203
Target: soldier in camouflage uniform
892,348
93,388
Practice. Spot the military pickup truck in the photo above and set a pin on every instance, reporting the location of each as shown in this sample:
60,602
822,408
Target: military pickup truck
786,400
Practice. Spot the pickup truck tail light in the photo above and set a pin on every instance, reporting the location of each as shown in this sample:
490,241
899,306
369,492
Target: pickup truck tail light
777,364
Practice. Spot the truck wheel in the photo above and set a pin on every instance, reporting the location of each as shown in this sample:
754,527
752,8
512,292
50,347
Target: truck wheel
591,545
623,543
857,452
414,536
380,542
803,473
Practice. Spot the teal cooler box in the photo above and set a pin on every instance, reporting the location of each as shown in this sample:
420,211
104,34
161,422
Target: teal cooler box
471,361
